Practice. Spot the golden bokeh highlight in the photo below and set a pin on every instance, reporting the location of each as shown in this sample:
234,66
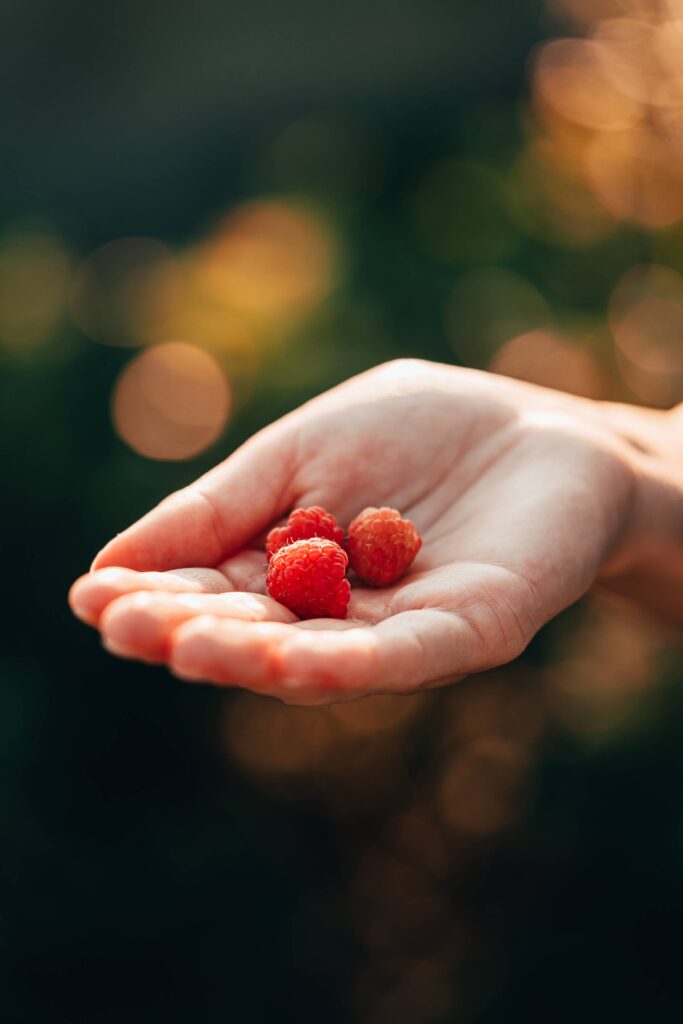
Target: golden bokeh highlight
235,293
242,289
546,358
342,745
636,53
572,80
35,275
610,108
594,696
174,305
504,703
268,738
374,714
481,787
646,320
636,177
268,260
171,402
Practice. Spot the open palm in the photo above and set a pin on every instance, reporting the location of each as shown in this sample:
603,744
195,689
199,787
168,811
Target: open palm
518,493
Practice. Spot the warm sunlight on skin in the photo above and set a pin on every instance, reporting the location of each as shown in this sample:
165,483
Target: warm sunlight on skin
524,498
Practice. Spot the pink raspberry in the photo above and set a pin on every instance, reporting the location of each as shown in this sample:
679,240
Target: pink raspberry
308,577
303,524
381,545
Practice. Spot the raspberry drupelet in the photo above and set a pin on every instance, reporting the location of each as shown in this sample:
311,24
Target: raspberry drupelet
308,577
381,546
303,524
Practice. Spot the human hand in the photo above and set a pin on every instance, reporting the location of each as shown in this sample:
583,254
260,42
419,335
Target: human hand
523,496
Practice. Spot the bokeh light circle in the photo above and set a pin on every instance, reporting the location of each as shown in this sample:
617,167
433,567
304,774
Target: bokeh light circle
612,104
171,402
646,320
545,358
633,175
482,786
572,79
268,259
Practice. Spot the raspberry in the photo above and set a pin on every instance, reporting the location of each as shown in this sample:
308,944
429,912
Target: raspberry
308,578
303,524
381,545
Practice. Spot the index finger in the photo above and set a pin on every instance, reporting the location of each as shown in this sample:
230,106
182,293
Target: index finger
217,514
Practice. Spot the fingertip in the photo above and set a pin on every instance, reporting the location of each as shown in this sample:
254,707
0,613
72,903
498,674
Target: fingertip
190,647
78,603
139,624
91,593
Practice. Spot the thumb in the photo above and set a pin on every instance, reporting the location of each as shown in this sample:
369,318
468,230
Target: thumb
216,515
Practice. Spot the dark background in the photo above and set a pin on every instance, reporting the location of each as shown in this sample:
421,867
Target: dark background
508,850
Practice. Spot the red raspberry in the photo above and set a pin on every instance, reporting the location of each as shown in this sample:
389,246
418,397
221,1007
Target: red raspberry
303,524
381,545
308,578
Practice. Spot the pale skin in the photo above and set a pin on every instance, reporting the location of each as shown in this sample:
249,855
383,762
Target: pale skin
525,499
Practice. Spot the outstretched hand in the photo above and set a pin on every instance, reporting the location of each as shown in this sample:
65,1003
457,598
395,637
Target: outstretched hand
521,496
